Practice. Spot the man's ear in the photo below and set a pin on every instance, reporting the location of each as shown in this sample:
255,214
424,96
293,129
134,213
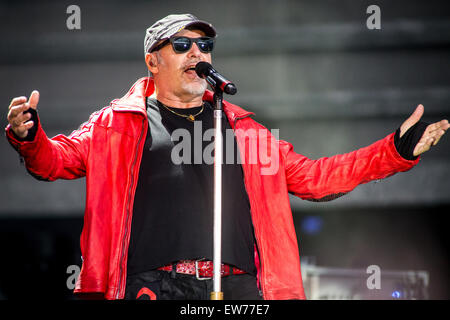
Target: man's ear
152,62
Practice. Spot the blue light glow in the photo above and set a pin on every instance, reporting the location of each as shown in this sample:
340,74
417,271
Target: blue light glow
312,224
396,294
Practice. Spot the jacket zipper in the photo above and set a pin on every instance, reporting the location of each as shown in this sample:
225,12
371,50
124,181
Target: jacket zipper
255,233
122,256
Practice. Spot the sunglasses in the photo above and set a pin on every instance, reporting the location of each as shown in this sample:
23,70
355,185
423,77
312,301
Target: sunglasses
184,44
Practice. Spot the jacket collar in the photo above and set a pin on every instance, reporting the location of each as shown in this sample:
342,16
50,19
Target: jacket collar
134,100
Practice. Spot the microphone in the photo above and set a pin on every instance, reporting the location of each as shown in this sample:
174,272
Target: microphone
216,80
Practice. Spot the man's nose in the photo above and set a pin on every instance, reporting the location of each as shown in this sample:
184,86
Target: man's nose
194,51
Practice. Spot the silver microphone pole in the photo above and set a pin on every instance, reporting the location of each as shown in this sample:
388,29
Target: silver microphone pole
217,293
220,85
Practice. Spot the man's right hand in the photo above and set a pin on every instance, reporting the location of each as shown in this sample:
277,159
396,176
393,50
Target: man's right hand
20,122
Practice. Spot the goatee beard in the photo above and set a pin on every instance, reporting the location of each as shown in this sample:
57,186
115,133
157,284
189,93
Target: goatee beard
197,88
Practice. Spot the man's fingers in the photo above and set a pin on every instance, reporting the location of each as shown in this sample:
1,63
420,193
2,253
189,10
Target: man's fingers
418,113
441,125
17,110
427,145
34,99
28,125
423,146
21,130
21,118
412,120
32,102
444,125
437,130
20,122
437,136
429,139
16,101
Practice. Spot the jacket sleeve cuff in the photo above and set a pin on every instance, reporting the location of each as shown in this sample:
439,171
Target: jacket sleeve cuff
397,156
23,147
16,141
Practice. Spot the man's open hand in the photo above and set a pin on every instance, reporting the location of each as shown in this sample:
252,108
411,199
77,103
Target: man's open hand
432,134
20,122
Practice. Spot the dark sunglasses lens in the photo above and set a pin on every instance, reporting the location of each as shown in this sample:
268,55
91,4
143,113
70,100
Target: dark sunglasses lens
205,45
182,44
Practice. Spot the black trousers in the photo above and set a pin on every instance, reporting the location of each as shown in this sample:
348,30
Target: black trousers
163,285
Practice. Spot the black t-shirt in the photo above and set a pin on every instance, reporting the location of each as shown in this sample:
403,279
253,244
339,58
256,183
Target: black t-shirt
173,206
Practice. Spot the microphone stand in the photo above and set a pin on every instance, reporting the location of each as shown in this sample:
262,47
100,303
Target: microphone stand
219,85
217,293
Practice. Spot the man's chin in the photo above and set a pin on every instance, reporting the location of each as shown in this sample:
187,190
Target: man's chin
197,89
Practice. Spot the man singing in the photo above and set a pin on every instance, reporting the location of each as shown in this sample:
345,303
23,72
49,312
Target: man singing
147,230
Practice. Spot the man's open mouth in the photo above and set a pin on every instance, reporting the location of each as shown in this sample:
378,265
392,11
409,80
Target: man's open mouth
191,68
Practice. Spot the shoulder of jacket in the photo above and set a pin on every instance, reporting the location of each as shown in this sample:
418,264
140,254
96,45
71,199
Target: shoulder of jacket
97,117
101,115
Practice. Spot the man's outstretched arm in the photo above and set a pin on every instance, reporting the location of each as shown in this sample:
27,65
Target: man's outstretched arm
330,177
46,159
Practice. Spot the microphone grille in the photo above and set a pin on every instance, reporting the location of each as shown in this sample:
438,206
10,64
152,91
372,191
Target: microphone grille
202,68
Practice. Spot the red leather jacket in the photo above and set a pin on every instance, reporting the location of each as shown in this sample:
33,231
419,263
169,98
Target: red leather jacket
108,149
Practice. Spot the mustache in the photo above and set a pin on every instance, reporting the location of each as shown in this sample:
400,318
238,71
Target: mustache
188,63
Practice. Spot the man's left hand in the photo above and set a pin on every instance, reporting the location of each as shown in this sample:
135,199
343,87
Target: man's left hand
432,134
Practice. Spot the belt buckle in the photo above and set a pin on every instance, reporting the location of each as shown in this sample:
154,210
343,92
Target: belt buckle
197,275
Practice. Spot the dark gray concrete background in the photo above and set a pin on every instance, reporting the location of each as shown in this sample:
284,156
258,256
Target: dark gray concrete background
309,68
